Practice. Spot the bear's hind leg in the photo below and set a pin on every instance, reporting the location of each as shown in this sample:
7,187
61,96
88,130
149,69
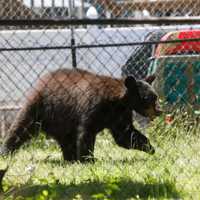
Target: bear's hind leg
22,129
85,145
69,151
67,142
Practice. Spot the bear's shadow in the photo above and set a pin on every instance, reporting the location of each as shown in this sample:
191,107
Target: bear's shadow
121,189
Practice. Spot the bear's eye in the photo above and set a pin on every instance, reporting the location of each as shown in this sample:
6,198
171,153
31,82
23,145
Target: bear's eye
150,98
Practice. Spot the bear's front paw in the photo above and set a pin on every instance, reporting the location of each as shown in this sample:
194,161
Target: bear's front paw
152,150
148,148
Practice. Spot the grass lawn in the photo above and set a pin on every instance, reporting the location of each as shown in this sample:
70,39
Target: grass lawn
37,171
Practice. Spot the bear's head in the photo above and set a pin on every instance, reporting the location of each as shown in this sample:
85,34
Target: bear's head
141,97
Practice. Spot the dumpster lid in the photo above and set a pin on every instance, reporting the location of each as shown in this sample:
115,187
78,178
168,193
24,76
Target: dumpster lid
183,47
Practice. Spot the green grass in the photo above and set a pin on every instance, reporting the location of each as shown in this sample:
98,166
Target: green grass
37,171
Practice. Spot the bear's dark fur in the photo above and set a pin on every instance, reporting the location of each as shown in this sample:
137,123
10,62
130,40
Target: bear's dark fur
72,106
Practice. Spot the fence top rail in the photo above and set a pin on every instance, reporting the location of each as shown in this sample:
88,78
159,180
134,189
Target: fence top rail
67,21
100,45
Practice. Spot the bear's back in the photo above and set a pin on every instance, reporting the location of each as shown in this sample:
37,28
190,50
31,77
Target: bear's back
80,84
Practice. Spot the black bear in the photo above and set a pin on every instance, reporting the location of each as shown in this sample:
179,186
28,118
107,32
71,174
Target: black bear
72,106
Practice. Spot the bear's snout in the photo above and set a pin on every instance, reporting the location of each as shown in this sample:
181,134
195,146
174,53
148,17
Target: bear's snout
158,109
153,111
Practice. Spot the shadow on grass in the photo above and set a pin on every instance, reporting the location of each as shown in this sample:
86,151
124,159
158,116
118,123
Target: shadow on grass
119,190
59,161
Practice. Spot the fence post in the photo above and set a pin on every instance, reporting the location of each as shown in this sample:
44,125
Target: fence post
82,9
3,126
73,48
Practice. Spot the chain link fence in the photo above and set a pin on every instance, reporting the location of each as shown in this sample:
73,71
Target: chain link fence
114,51
15,9
117,49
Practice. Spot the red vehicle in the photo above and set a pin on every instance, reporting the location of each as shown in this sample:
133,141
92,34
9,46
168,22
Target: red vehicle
177,66
183,47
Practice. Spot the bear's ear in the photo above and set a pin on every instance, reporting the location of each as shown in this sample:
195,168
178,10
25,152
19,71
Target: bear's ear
130,83
150,79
